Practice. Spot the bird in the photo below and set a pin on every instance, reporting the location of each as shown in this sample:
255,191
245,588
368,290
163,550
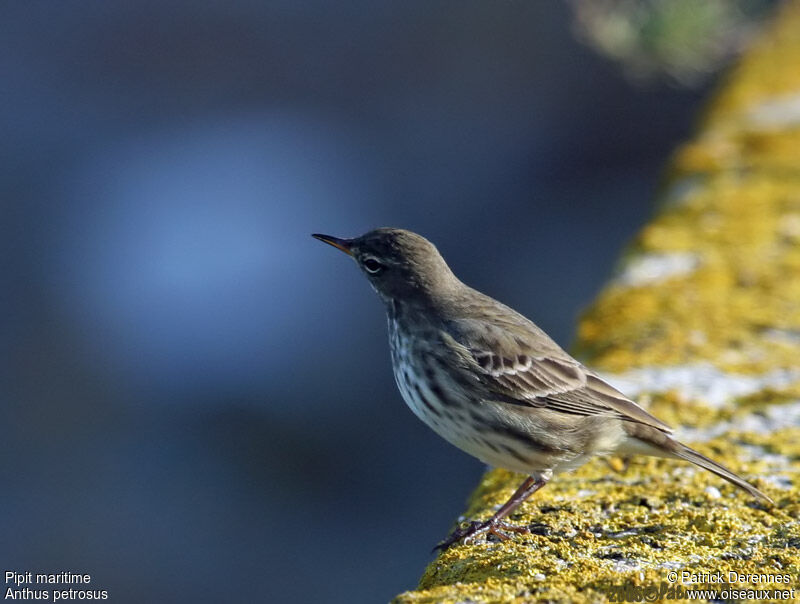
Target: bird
491,382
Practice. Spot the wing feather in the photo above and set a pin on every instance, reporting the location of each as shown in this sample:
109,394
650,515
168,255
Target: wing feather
519,364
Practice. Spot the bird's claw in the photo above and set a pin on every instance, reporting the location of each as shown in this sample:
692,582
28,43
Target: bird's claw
475,529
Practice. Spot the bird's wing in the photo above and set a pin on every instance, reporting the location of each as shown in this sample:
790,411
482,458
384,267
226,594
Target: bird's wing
519,364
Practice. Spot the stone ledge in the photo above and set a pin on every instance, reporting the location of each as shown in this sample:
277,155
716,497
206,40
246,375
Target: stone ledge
702,324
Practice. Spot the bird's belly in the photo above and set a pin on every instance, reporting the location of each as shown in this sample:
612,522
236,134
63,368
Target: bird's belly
419,397
449,415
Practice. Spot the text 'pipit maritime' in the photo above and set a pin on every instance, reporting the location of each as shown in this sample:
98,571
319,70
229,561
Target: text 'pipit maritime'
489,381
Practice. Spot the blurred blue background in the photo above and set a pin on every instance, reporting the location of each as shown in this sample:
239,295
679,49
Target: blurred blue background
197,398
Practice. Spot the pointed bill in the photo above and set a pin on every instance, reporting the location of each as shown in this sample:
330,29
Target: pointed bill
340,244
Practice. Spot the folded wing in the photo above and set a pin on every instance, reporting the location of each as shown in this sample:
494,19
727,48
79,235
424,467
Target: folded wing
520,365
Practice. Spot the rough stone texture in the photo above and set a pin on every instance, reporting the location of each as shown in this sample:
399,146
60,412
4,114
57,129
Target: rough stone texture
702,325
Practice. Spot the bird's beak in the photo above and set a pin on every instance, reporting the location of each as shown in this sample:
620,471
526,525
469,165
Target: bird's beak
342,244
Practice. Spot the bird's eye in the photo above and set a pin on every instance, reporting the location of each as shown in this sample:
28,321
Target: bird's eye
372,265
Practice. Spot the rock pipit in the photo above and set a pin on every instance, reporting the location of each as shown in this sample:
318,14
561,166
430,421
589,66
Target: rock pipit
489,381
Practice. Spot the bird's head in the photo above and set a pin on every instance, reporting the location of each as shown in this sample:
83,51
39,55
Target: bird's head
401,266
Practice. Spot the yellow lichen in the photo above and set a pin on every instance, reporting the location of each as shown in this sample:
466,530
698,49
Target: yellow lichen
732,202
591,526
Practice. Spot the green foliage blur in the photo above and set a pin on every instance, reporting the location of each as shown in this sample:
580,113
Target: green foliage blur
680,41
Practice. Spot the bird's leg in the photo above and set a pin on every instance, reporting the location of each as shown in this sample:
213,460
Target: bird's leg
495,524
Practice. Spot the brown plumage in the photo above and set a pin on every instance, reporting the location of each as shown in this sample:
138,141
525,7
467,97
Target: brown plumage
491,382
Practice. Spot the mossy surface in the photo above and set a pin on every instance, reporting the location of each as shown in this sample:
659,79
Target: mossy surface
730,223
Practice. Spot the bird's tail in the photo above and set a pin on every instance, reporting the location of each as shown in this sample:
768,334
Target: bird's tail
653,441
683,452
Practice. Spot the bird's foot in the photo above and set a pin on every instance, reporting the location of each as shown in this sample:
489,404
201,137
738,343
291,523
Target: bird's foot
475,529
